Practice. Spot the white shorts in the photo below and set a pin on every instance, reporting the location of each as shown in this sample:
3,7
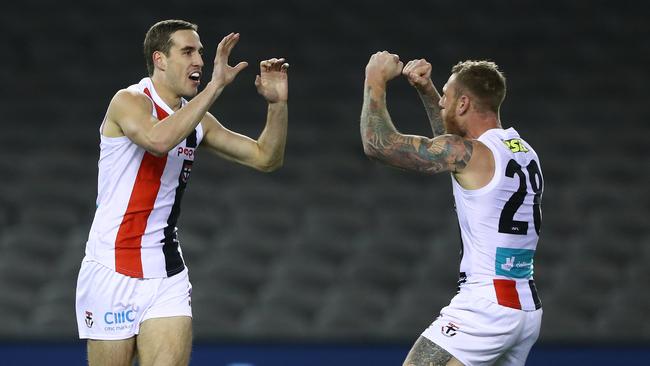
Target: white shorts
112,306
477,331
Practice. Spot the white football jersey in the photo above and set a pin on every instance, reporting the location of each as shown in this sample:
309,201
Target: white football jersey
500,224
138,201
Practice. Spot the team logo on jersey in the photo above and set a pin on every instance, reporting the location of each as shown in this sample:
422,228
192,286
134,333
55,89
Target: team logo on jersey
449,330
515,145
89,319
186,171
514,263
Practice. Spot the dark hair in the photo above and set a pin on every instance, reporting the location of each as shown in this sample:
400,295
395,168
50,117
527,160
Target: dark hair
158,38
483,80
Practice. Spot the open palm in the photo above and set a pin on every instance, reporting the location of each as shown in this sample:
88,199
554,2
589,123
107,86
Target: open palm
223,73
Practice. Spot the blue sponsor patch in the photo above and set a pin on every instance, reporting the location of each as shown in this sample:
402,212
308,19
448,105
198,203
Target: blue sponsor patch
514,263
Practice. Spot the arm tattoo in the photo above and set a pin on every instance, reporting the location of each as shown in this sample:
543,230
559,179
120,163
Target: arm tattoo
433,112
427,353
383,142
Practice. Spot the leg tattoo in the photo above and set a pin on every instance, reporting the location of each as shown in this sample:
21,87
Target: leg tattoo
427,353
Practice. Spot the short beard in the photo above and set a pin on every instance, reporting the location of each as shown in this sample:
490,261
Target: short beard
451,122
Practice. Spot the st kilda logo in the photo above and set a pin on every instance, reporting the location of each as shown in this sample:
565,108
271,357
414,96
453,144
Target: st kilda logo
89,319
449,330
186,171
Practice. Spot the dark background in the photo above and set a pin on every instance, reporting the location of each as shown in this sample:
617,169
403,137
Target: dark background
333,247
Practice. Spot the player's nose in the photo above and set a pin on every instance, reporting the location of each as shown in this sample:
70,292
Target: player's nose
198,60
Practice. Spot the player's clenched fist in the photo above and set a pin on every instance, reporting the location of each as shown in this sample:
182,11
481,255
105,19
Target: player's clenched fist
383,66
418,74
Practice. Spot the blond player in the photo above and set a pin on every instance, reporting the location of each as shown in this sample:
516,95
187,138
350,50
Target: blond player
497,184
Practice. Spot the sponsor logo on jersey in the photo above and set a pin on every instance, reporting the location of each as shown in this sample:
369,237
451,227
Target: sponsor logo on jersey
124,316
515,145
449,330
186,153
117,320
514,263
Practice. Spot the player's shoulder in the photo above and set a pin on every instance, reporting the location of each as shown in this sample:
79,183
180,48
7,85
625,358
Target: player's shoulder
480,154
131,95
130,99
451,140
129,104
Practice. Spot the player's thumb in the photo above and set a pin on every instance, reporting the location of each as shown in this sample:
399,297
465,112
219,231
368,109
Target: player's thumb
240,66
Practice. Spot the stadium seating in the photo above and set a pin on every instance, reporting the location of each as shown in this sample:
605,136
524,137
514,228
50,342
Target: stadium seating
333,246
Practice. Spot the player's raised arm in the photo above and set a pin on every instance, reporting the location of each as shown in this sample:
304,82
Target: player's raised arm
267,152
129,111
418,74
382,141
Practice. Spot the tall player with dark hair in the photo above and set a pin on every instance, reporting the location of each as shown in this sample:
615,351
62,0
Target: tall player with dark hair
497,184
133,290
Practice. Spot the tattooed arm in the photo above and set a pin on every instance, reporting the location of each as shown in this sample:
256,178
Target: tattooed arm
430,101
418,74
383,142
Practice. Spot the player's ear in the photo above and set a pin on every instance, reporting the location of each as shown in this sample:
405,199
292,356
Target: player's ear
463,105
159,60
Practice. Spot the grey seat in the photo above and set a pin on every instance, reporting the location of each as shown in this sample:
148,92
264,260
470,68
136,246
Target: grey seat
16,302
349,311
305,271
58,218
625,318
342,225
416,306
201,220
231,270
376,271
218,308
280,312
396,245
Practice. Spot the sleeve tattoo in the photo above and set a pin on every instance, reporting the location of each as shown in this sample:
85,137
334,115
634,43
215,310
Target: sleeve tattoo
383,142
433,112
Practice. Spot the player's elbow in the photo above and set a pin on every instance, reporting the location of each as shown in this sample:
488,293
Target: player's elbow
270,165
269,160
160,145
159,148
370,150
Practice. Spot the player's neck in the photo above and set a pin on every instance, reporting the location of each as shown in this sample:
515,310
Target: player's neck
481,123
165,93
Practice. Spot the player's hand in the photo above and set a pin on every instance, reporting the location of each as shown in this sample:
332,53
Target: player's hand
223,74
418,74
272,82
383,66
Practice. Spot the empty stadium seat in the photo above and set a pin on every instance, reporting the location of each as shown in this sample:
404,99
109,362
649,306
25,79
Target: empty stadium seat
334,246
